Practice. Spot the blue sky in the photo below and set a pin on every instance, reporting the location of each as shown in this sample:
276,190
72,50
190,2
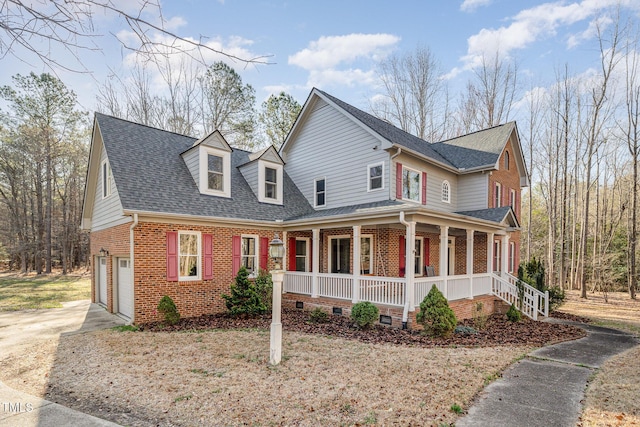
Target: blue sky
334,45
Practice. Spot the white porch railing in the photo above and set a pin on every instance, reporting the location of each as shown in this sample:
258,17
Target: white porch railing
393,290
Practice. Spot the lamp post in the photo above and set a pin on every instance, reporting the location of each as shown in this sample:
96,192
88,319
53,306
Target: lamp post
276,252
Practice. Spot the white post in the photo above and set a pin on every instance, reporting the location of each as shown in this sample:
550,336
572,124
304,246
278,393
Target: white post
315,261
444,257
285,262
470,261
410,264
275,354
546,303
489,253
505,255
356,264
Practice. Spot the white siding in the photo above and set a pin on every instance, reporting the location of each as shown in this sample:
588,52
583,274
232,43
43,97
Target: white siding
435,176
472,192
331,145
107,212
192,161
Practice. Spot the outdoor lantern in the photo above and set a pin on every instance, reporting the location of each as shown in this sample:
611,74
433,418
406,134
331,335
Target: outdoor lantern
276,251
103,252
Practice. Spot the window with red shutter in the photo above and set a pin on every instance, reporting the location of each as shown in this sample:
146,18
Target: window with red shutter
172,256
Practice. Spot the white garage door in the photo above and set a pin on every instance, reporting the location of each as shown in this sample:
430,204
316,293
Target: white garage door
102,281
125,288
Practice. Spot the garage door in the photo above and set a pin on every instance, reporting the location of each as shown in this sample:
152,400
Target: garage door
102,281
125,288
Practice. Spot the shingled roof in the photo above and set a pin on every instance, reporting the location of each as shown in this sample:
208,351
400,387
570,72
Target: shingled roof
151,176
472,151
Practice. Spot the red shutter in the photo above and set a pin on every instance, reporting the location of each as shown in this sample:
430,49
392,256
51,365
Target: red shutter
264,252
207,253
427,255
292,254
398,180
424,188
172,256
311,254
235,254
401,256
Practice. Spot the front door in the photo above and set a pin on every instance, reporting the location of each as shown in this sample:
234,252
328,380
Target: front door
340,254
102,280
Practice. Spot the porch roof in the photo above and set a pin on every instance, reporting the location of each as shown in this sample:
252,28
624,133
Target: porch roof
499,215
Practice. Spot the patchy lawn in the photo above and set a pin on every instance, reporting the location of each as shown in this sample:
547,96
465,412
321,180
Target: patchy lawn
21,292
612,395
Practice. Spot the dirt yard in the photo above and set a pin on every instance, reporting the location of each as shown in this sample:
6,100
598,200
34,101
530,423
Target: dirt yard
612,396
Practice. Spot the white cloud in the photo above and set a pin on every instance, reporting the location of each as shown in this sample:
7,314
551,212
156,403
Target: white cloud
343,60
471,5
535,23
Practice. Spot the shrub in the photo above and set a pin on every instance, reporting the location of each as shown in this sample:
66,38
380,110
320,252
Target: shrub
264,287
168,308
435,314
364,314
479,316
513,314
318,315
244,299
465,330
556,297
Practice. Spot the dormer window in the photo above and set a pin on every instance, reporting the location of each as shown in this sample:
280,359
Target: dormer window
270,177
215,171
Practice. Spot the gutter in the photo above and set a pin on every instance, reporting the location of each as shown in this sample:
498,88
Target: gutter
405,311
131,259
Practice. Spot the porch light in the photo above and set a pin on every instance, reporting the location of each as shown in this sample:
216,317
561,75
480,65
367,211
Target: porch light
276,251
103,252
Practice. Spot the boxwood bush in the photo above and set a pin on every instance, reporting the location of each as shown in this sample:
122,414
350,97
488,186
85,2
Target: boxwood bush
364,314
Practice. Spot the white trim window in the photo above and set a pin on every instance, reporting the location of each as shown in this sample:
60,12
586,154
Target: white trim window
446,192
506,160
512,198
366,254
189,255
302,254
249,253
512,257
340,254
106,179
497,195
270,182
418,257
411,184
375,176
320,192
215,172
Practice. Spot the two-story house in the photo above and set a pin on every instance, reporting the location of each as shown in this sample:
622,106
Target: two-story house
366,211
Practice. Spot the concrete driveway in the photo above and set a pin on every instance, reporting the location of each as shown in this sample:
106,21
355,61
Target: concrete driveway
20,330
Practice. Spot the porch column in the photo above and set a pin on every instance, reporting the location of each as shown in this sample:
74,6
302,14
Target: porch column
315,261
410,264
285,262
470,261
356,264
505,255
489,253
444,256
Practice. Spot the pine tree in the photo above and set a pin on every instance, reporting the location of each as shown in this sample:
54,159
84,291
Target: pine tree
244,299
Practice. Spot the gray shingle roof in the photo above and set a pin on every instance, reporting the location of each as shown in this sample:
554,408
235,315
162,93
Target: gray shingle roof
491,214
363,208
151,175
470,151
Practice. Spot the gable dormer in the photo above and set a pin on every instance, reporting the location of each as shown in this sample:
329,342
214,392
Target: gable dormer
209,161
265,174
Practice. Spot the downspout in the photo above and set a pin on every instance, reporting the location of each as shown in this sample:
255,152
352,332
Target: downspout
133,284
405,311
397,153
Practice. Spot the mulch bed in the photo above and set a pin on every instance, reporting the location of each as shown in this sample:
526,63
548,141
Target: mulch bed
569,316
498,330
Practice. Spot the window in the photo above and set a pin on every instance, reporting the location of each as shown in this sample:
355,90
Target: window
189,255
418,267
320,192
302,249
506,160
446,193
249,253
497,195
215,173
340,254
512,256
411,183
366,249
376,176
496,255
106,179
512,198
270,183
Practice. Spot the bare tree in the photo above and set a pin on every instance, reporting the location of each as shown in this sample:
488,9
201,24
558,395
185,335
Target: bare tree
414,95
69,24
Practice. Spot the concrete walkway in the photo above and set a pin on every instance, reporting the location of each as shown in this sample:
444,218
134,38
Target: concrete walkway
546,388
20,330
